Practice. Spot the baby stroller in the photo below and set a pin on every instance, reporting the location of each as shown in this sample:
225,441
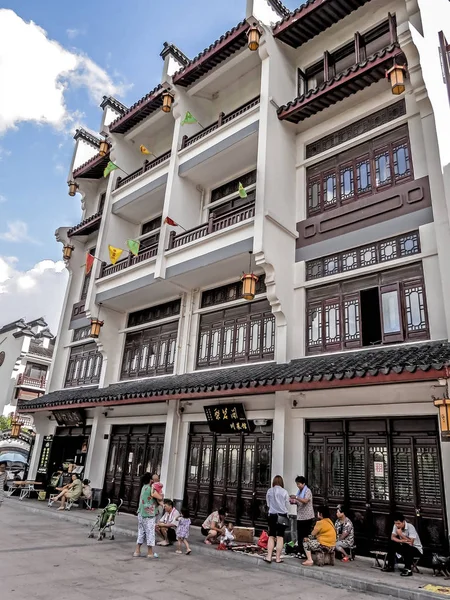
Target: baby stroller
106,521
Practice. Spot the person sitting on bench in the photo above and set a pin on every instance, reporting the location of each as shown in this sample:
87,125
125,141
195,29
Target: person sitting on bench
323,536
404,541
71,492
345,533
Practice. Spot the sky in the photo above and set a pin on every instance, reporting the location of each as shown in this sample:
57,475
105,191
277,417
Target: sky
57,60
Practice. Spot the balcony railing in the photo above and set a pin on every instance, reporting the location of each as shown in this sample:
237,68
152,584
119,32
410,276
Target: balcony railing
214,224
87,226
147,166
129,261
35,382
222,120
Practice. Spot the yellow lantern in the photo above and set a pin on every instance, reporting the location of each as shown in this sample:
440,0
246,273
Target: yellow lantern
96,325
73,187
444,416
168,98
16,427
104,148
254,36
249,281
67,251
396,76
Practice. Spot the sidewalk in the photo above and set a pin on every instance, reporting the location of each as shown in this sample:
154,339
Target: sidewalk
357,575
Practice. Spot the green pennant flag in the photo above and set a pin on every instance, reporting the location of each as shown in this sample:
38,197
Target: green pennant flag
189,119
109,167
133,246
242,192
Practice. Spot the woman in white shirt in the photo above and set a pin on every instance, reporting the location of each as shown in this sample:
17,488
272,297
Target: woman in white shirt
278,503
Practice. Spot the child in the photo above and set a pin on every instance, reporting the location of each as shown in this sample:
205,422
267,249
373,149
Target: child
228,538
184,525
87,490
158,487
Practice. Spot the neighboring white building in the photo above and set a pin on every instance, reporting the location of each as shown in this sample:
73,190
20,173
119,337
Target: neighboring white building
26,350
346,215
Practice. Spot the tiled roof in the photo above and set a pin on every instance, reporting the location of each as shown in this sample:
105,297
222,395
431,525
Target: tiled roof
279,7
14,325
93,168
87,137
175,52
39,350
311,18
342,85
371,366
114,104
139,111
229,43
86,226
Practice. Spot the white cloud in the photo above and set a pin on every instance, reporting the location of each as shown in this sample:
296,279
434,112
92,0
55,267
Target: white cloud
34,293
2,198
36,72
17,231
74,33
4,152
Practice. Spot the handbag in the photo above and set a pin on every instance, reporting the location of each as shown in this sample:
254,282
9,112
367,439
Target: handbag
282,520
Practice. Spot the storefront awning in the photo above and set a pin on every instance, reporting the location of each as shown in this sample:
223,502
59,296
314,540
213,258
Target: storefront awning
406,364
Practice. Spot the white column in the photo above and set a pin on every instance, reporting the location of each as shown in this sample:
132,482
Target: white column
182,458
43,427
280,432
98,450
170,452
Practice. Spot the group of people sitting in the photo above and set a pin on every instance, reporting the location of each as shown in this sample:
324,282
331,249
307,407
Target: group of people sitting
321,534
72,492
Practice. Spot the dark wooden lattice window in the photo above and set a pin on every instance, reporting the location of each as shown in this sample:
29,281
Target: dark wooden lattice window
81,333
85,363
229,292
232,187
380,308
150,351
363,170
238,334
154,313
151,225
364,256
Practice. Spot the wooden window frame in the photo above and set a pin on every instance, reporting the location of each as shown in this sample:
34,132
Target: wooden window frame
367,152
81,355
244,315
342,292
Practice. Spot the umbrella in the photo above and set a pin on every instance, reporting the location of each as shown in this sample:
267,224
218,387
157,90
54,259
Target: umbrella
13,457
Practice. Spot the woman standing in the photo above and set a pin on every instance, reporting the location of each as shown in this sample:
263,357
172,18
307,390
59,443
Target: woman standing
147,511
278,502
305,510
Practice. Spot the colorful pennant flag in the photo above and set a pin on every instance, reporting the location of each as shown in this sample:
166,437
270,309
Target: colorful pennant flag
170,222
89,262
114,254
109,167
145,150
189,119
133,246
242,192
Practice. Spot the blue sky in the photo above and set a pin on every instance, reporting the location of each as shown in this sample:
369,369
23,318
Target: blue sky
123,40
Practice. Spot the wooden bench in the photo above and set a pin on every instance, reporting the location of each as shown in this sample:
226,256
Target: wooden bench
381,555
324,556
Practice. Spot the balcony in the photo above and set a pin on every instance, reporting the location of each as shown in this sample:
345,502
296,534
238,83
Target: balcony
31,382
148,165
87,226
313,17
93,168
213,225
129,261
222,120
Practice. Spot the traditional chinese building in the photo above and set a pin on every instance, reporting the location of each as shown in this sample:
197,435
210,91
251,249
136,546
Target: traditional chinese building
300,147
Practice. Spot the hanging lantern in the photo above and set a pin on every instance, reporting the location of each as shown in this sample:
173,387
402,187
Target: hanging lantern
444,416
249,281
16,427
67,251
254,36
396,76
168,98
96,325
73,187
104,148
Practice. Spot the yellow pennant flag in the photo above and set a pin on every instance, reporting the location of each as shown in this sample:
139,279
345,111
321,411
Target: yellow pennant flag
144,150
114,254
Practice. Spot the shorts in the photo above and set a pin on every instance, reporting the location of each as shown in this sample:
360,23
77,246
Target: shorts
275,529
205,531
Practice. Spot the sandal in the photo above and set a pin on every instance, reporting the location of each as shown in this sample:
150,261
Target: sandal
136,554
178,552
279,561
346,559
267,561
154,555
188,552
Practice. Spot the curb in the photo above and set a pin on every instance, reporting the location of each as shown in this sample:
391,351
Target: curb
339,580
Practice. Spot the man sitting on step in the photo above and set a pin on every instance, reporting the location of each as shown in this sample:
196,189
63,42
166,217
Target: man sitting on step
404,541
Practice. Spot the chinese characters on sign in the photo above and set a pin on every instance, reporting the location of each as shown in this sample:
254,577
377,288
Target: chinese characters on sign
69,418
45,454
227,418
378,467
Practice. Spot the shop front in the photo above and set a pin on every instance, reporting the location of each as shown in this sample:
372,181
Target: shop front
378,466
133,451
232,470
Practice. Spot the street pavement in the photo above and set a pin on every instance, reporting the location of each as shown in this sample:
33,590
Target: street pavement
45,558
